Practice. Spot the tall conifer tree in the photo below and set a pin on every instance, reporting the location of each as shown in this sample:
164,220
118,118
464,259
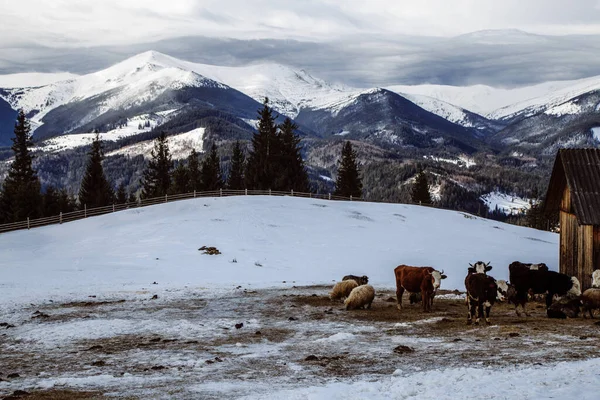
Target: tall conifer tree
95,190
193,167
181,180
291,171
21,191
156,178
235,181
261,168
121,195
420,191
348,182
211,171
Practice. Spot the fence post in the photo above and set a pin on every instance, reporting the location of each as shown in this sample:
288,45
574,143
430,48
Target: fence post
350,197
310,195
420,203
113,207
28,226
269,192
60,217
246,191
166,198
194,194
85,211
220,192
329,196
292,192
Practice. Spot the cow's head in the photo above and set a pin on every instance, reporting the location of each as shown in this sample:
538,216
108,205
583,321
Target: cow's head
480,267
502,290
538,266
596,279
575,290
437,278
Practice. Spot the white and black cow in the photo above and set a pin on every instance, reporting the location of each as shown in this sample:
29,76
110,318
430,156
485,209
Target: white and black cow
480,268
540,281
482,291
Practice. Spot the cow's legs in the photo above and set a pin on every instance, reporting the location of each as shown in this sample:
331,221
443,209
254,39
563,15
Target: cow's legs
467,302
479,312
487,314
549,298
399,293
425,299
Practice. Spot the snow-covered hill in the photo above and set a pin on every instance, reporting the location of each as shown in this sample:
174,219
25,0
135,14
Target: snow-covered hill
271,239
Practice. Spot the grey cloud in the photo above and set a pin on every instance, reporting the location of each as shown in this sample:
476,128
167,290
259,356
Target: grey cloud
506,59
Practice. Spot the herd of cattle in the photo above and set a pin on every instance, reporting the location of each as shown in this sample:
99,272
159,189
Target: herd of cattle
483,290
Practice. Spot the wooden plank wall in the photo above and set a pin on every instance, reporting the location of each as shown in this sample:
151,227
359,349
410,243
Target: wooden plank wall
568,244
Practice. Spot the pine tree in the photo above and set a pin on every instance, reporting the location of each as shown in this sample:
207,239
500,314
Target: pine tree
261,168
193,167
211,171
51,202
235,181
95,190
21,197
156,178
132,198
420,191
348,181
292,173
121,196
181,180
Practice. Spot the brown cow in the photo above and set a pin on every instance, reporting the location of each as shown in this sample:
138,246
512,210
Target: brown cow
425,280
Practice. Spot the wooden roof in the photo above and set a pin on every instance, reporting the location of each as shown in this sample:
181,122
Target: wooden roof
579,169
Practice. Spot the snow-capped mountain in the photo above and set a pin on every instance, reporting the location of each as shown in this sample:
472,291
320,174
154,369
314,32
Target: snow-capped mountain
572,123
147,82
502,103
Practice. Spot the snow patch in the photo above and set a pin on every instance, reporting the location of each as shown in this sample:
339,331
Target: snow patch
461,161
510,205
596,133
338,337
179,145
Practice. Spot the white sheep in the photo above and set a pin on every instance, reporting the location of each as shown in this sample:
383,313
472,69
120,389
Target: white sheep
341,290
360,297
596,279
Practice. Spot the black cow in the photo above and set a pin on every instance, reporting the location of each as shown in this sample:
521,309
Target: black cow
361,280
482,291
540,281
538,266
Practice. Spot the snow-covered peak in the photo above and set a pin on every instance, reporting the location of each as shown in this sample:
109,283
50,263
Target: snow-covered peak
132,82
501,36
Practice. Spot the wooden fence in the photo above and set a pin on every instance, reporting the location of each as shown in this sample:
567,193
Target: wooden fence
92,212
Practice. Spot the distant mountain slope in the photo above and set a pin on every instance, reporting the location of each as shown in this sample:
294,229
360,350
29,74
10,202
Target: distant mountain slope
7,122
501,103
380,115
568,124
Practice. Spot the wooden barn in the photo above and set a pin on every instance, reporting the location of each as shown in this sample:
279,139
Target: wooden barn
574,190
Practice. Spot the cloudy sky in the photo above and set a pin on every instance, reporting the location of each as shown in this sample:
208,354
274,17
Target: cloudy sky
346,40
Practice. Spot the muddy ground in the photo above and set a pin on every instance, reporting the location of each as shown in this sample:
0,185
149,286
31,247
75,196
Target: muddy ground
197,347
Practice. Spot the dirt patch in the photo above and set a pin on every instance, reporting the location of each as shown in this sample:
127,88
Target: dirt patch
88,304
273,335
58,395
